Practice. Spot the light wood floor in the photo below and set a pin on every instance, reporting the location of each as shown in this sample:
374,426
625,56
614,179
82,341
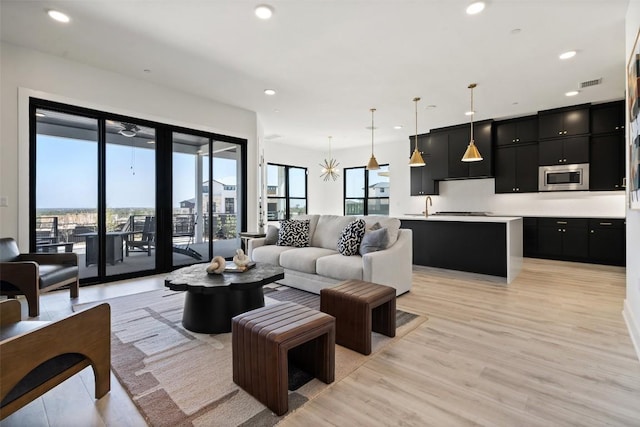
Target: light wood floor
550,349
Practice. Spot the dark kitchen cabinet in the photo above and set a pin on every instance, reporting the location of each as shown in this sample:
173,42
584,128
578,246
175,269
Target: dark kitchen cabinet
563,122
424,179
530,237
515,131
607,118
459,137
607,148
563,238
563,151
516,168
607,241
606,170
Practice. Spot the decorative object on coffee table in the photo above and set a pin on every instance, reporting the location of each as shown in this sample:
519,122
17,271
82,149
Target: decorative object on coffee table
217,265
240,259
263,340
360,308
213,299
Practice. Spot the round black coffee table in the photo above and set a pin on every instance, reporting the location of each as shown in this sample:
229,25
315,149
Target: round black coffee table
213,299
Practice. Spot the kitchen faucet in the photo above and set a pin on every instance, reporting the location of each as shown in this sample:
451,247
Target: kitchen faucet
427,202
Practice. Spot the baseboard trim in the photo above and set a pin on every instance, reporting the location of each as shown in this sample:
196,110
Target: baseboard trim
633,326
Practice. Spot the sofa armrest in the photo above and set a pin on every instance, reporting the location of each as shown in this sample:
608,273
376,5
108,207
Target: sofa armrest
392,266
68,258
10,312
254,243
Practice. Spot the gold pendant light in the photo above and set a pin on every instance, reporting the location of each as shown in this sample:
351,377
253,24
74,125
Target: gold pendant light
416,157
330,167
472,154
373,163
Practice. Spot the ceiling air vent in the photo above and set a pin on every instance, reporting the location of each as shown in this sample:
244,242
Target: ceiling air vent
590,83
272,136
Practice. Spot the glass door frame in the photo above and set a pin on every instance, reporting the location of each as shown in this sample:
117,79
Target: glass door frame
163,180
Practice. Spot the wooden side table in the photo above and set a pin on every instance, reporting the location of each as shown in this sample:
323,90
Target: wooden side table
264,340
360,308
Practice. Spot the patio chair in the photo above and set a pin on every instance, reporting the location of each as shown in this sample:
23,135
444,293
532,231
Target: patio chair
30,274
185,226
144,240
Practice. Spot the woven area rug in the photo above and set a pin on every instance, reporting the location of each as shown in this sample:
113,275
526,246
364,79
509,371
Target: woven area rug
180,378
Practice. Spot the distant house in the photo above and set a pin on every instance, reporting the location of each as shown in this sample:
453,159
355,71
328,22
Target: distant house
222,195
379,189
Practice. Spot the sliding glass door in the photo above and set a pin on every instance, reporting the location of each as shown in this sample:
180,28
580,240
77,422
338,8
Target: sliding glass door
98,183
66,185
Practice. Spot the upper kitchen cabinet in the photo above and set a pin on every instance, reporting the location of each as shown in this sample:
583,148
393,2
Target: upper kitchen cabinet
563,122
459,137
563,151
607,148
424,179
607,118
523,129
516,168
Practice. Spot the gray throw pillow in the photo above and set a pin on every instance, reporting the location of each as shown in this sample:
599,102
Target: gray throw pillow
374,241
272,235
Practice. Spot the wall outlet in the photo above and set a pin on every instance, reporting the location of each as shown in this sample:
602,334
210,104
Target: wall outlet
4,201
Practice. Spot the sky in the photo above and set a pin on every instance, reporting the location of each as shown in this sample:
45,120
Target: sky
66,175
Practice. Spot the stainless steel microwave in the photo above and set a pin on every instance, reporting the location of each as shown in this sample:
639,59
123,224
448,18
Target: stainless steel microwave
564,177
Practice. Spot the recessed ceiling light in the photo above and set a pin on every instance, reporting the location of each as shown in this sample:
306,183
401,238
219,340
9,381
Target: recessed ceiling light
475,7
397,127
276,111
572,93
146,70
469,113
58,16
264,11
567,55
151,142
269,92
516,31
430,106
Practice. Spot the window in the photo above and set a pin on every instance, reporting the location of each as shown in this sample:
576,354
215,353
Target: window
286,191
366,192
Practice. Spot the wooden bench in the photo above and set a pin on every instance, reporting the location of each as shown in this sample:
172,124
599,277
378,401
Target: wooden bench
360,308
264,340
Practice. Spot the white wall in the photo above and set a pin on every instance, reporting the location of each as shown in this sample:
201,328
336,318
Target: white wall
632,302
25,72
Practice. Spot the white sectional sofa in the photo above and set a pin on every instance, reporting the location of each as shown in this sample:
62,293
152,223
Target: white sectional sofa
320,265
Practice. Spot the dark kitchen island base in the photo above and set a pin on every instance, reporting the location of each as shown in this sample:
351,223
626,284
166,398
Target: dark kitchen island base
484,245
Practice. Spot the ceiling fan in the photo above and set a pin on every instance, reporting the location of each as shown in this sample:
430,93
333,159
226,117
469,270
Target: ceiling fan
128,129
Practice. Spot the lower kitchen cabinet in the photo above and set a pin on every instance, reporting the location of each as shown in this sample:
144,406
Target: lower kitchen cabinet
591,240
607,243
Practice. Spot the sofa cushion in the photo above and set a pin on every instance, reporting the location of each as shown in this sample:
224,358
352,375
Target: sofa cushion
304,259
313,222
271,237
269,254
350,238
374,241
328,230
294,233
340,267
391,224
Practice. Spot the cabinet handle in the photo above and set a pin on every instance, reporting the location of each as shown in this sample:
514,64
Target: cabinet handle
592,231
606,223
560,133
565,132
565,160
559,160
518,139
513,189
564,230
622,127
517,189
617,127
560,229
561,222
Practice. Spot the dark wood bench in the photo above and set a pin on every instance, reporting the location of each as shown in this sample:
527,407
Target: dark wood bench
264,340
360,308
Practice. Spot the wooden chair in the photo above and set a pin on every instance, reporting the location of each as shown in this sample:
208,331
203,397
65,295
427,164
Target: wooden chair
36,356
33,273
142,240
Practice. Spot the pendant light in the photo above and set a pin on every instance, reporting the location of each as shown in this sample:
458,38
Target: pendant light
373,163
472,154
330,167
416,157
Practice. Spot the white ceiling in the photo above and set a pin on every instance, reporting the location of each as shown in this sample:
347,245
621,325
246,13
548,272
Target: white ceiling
330,61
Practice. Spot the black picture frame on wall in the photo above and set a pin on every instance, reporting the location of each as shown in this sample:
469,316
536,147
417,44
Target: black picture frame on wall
633,101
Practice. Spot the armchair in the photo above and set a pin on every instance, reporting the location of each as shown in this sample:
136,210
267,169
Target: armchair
33,273
36,356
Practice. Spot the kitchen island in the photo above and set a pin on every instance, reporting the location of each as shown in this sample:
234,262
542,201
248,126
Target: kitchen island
489,245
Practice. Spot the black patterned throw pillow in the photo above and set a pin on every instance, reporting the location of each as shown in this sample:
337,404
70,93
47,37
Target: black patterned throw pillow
294,233
351,236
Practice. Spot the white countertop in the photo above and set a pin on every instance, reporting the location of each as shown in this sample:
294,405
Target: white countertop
460,218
